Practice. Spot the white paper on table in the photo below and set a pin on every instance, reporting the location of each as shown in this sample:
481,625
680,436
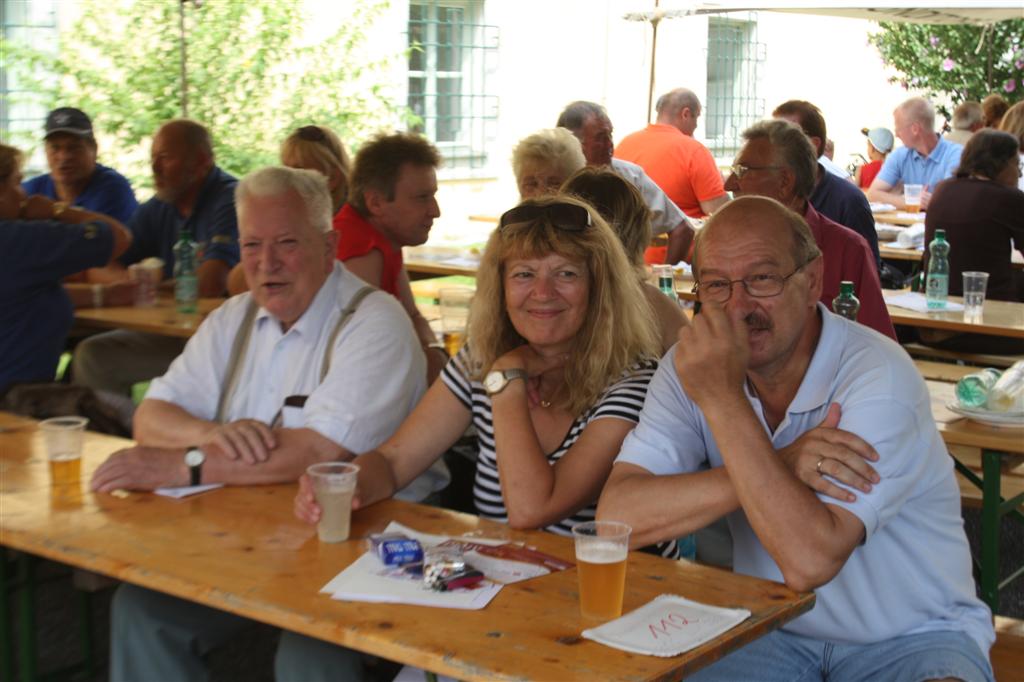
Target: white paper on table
912,300
897,245
906,215
462,262
667,626
367,579
186,490
911,237
879,207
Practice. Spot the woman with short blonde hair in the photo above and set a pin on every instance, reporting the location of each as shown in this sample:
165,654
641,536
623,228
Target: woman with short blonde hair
319,148
544,160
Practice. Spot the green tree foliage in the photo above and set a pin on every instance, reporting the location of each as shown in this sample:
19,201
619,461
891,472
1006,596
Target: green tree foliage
251,78
959,62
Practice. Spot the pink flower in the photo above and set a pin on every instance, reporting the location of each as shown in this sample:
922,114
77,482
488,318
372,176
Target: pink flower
934,40
1010,86
948,64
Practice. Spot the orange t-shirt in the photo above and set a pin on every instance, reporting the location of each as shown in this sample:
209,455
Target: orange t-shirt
681,166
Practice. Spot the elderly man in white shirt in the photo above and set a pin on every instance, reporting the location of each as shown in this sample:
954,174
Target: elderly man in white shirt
310,365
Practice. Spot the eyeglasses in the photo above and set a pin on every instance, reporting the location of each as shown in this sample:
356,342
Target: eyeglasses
569,217
758,286
741,169
311,134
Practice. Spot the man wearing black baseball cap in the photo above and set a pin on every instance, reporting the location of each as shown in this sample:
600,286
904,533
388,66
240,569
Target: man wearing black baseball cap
75,178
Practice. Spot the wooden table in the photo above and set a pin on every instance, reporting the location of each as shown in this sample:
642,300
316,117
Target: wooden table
430,261
997,445
900,218
161,319
240,550
999,318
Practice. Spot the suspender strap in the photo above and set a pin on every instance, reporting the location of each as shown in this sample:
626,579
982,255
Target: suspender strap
346,315
241,345
238,349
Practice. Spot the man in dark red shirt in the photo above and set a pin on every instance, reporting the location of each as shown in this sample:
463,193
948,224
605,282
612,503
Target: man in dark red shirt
777,161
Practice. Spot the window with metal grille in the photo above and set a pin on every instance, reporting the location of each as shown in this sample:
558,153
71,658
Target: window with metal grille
451,54
31,22
734,56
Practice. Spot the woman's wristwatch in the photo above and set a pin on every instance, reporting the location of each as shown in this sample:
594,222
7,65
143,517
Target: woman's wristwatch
496,380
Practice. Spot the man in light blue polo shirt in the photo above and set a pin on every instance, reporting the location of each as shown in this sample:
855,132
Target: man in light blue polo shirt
925,158
767,412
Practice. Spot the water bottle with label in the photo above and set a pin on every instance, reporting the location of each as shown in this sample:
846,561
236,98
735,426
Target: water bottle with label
1007,395
666,281
186,284
846,304
972,390
937,279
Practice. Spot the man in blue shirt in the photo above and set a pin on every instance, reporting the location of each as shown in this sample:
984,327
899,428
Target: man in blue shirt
814,437
924,159
192,194
75,178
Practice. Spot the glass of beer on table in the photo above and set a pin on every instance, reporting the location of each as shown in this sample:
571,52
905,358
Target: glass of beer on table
334,485
63,439
601,551
454,316
912,197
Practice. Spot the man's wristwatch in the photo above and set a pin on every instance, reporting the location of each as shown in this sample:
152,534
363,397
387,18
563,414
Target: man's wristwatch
194,459
496,380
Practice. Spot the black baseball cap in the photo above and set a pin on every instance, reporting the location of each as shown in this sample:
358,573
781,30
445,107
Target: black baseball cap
68,120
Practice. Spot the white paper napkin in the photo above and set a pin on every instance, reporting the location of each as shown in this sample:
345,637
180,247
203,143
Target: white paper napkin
187,490
667,626
912,300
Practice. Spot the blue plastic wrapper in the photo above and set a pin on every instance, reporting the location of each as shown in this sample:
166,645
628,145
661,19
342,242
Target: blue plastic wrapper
396,550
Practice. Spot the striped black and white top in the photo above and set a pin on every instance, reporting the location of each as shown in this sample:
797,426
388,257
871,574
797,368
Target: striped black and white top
622,400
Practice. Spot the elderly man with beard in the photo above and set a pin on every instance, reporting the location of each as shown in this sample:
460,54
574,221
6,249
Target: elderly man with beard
192,194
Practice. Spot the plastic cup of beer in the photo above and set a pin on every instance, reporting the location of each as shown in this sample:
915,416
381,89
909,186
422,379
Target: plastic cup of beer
63,439
454,316
601,551
334,484
912,197
975,284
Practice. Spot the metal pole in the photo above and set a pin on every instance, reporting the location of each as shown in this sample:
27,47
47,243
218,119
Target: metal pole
184,70
654,53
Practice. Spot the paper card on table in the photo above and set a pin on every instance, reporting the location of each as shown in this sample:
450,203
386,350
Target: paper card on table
914,301
667,626
186,490
879,207
367,579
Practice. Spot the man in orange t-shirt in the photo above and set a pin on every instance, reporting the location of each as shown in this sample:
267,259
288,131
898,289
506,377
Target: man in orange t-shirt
681,166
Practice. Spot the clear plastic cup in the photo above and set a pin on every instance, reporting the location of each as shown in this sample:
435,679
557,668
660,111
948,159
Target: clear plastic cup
912,197
975,285
454,307
63,438
602,548
334,485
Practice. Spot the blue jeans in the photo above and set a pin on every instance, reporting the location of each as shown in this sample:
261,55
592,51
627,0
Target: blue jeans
785,657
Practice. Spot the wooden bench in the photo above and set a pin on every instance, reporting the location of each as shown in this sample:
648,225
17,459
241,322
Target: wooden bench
919,350
1011,482
1007,653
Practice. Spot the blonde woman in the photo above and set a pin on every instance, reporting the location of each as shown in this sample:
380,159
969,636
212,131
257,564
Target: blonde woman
560,351
622,206
315,148
543,161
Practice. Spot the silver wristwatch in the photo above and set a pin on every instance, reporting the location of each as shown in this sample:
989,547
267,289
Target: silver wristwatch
194,458
496,381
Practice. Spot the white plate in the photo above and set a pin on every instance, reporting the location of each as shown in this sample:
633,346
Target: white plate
1012,420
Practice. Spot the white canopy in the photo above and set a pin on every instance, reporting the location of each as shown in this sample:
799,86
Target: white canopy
935,12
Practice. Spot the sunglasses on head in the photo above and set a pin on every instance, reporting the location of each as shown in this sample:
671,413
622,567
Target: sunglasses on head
568,217
311,134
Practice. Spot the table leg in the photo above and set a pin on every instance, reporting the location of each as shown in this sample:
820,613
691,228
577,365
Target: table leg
990,503
6,632
26,617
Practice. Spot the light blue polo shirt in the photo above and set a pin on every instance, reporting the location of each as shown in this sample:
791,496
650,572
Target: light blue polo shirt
912,574
908,166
